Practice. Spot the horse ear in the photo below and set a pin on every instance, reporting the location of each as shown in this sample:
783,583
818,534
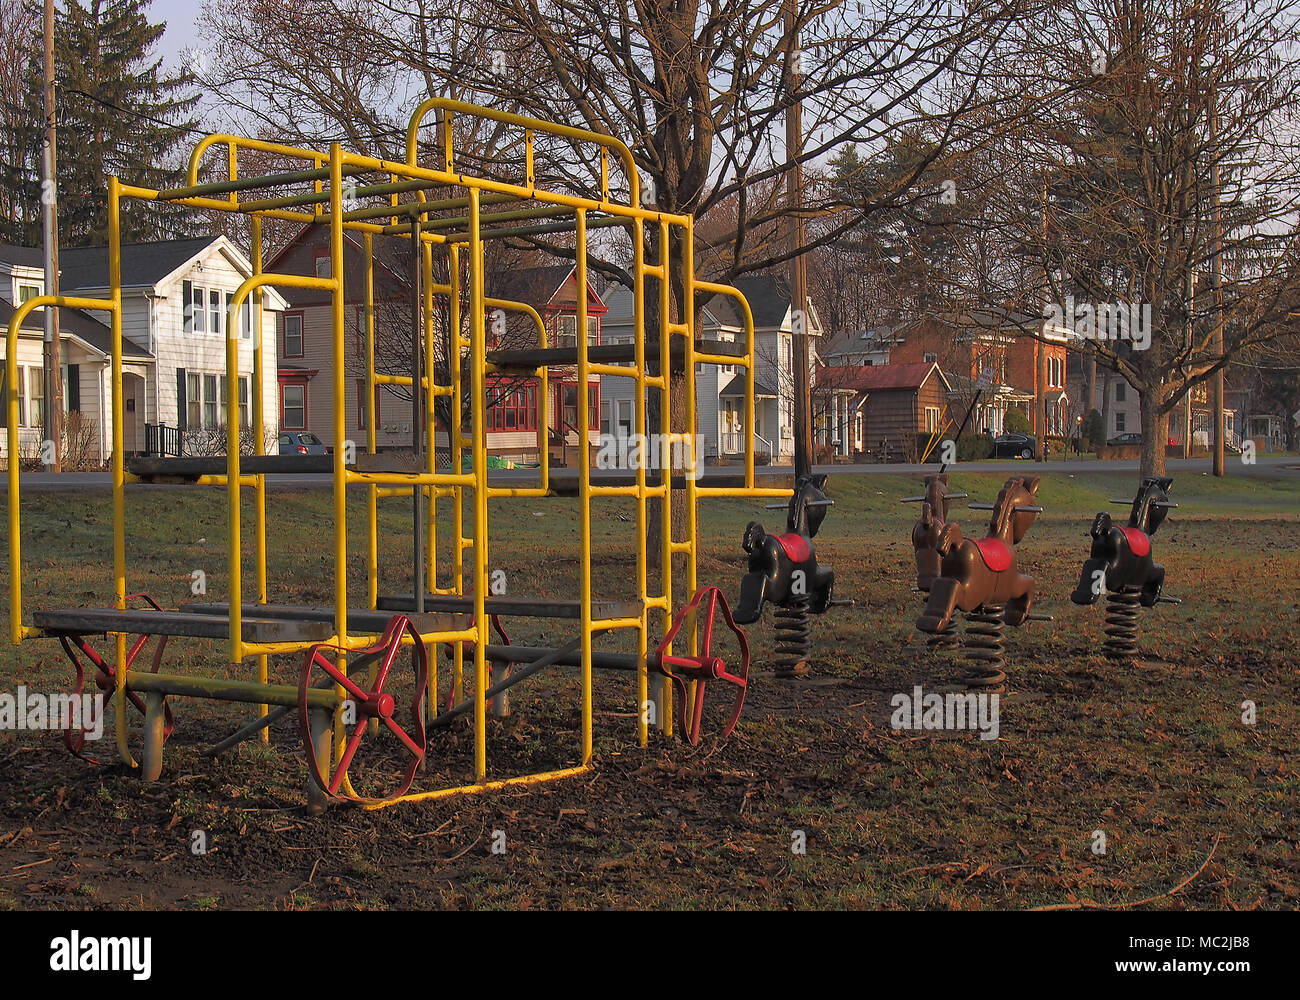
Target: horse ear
1031,484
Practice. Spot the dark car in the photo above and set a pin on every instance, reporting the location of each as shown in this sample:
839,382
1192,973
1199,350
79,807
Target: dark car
1132,437
1013,446
301,443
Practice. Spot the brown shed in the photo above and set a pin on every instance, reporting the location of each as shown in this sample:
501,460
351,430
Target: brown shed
893,404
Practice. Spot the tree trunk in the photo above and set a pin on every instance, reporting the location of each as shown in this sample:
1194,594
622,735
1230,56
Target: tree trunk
1155,430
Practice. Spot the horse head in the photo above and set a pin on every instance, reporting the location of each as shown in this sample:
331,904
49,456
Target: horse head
808,506
1151,505
1015,509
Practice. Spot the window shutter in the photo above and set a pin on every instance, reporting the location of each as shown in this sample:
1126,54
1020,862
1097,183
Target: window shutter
73,403
187,289
181,401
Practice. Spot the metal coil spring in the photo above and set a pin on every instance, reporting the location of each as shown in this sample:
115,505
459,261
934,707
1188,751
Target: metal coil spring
793,636
945,640
1121,624
984,647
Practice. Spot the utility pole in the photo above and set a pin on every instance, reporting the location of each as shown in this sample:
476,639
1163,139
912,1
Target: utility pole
803,436
52,445
1216,273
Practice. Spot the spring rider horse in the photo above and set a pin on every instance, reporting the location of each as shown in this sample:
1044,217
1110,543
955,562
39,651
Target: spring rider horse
979,576
1121,566
783,571
925,540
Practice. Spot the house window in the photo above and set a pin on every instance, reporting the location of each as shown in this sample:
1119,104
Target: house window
36,395
930,357
569,411
210,402
22,397
568,331
1120,422
361,405
623,416
1119,392
515,411
215,325
293,407
196,313
243,400
593,331
322,265
194,400
931,419
26,292
293,335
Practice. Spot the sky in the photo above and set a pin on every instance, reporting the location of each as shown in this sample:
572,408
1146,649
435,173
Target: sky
179,16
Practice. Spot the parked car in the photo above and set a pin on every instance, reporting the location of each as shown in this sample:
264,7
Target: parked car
1013,446
301,443
1132,437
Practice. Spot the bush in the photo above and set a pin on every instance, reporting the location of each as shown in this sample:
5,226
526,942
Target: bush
1016,421
970,448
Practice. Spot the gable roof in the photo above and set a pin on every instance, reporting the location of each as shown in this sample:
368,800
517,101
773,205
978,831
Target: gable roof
143,264
879,378
22,256
78,324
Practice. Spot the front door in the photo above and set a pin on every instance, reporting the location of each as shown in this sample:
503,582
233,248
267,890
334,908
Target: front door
132,412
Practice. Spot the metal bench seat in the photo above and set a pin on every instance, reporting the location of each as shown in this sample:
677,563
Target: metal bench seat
359,619
511,607
88,621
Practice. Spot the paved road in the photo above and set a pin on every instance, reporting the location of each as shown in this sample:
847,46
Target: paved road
1287,466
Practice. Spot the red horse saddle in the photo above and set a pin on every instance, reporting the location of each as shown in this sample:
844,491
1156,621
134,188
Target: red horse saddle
1138,543
995,553
796,547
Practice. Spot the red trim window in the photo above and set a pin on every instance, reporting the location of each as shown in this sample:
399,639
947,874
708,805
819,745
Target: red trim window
567,393
516,411
293,336
293,405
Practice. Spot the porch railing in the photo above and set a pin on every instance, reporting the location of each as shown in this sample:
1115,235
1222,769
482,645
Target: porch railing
162,441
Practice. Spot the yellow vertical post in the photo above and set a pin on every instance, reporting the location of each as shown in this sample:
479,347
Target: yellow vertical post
455,439
430,440
665,429
119,462
478,363
638,409
372,491
688,448
340,429
584,479
259,438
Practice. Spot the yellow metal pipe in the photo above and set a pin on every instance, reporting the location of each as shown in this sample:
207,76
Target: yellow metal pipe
477,362
16,630
259,434
584,479
372,506
482,786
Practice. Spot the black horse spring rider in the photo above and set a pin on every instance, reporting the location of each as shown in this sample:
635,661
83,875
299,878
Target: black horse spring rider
783,571
1121,566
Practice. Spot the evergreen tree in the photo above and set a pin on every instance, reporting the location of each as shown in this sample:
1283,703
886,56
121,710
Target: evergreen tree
118,113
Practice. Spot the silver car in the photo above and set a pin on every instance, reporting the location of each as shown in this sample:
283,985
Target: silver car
301,443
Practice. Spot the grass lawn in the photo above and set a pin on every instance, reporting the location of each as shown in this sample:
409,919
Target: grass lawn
1152,754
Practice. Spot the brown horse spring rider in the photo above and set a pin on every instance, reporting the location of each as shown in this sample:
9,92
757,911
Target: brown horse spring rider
925,533
981,571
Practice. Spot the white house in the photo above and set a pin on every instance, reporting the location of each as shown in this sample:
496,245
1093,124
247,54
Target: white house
719,389
175,294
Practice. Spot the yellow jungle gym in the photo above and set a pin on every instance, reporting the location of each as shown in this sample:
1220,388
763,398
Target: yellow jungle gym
435,211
